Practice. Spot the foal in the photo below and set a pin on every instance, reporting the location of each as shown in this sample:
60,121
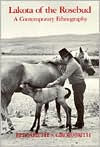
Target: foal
45,95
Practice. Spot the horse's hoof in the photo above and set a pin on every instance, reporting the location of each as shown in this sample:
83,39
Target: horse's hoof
62,126
68,127
44,124
36,131
3,132
31,129
9,132
70,130
12,128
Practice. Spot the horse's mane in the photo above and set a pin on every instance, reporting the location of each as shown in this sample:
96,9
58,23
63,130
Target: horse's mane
51,63
56,64
37,62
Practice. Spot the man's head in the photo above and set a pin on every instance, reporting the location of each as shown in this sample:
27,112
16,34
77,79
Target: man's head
65,54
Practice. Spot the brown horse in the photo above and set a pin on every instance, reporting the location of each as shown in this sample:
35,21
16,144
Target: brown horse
14,74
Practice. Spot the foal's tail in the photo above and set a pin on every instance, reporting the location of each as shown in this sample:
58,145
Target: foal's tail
69,93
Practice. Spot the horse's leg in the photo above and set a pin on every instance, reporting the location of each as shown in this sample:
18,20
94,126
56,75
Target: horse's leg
11,127
59,114
5,100
4,124
68,122
68,114
10,124
46,107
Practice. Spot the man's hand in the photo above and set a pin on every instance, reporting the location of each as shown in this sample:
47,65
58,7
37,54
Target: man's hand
50,85
45,61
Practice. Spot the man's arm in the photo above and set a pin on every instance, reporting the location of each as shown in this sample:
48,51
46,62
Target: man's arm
70,69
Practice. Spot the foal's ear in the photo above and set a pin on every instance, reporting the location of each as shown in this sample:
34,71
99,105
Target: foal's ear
80,49
28,84
30,87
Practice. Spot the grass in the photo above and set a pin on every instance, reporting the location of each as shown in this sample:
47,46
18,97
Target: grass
50,44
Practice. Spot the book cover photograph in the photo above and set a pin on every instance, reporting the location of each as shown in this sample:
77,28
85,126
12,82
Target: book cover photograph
50,73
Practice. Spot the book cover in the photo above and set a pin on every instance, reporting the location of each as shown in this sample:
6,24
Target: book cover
32,34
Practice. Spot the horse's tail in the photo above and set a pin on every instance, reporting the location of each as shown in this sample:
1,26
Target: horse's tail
69,93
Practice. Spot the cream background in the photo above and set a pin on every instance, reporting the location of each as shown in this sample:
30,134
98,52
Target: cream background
10,29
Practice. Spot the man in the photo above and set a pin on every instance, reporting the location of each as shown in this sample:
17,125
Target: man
74,74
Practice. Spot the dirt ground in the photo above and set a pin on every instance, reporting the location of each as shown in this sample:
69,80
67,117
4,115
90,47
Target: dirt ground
52,135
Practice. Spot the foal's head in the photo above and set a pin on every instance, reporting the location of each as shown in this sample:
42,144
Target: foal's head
28,89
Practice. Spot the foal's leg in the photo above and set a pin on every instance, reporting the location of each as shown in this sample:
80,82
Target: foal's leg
39,107
68,123
37,117
46,107
68,114
35,120
59,114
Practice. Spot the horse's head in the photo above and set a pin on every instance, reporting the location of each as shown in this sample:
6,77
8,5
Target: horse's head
85,62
